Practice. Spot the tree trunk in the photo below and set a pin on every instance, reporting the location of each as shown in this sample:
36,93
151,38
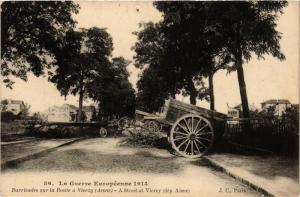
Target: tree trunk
193,92
211,91
173,95
79,115
242,85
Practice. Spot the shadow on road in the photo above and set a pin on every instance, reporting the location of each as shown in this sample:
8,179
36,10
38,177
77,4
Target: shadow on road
94,161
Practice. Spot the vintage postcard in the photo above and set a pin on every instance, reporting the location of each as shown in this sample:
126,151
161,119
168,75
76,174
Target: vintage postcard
142,98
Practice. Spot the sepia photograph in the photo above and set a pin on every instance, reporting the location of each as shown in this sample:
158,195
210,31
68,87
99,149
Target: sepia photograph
150,98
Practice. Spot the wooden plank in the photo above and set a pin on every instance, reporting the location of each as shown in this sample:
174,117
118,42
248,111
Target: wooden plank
177,109
143,113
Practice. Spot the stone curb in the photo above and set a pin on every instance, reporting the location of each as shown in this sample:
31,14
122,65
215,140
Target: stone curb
223,168
14,162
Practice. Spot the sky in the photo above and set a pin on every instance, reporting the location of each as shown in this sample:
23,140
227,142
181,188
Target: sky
265,79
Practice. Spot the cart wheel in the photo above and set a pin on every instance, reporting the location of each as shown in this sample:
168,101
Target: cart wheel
103,132
123,123
153,125
191,136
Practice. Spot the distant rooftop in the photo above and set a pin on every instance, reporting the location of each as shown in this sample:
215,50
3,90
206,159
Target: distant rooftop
276,101
239,106
71,106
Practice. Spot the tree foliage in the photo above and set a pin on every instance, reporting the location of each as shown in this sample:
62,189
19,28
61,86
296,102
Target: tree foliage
113,90
247,28
83,58
195,39
31,32
152,90
24,111
184,47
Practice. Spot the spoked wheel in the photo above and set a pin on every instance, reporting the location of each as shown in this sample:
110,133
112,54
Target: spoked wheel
191,136
153,125
138,126
123,123
103,132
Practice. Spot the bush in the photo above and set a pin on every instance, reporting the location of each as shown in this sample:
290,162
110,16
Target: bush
12,128
8,116
145,138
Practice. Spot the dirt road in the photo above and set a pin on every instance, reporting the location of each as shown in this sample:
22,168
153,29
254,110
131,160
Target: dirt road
149,170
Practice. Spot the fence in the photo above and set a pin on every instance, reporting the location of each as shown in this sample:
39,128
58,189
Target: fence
277,135
271,126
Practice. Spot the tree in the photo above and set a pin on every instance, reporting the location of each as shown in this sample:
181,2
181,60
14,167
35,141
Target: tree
37,116
113,90
24,111
152,90
31,32
187,50
197,47
204,29
159,80
154,50
182,48
247,28
150,49
291,118
83,58
8,116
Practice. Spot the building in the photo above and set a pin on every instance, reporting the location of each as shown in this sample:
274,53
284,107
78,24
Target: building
233,113
88,111
14,106
236,111
67,113
280,105
64,113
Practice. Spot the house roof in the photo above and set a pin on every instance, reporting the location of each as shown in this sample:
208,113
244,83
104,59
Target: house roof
72,106
6,101
276,101
237,106
88,108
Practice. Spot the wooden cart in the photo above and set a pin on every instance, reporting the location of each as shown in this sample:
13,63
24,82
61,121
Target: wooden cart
193,129
141,120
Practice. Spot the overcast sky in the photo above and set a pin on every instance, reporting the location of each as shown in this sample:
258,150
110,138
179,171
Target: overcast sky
265,79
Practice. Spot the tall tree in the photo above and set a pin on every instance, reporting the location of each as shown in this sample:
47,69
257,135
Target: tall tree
31,32
183,25
113,90
177,48
152,90
158,52
83,58
247,28
150,49
203,29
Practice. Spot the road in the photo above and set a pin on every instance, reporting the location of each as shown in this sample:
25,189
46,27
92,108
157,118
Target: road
108,159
